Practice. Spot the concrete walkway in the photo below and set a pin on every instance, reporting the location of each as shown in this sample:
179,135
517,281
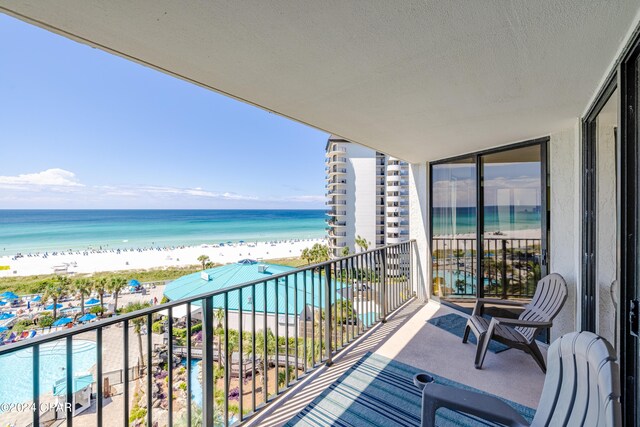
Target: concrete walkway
408,338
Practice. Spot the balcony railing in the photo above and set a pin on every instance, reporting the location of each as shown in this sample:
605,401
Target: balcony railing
510,269
264,336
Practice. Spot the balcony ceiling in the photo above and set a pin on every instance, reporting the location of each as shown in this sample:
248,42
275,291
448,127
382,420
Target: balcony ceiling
417,80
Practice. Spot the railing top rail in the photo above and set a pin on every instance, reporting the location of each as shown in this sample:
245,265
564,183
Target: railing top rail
54,336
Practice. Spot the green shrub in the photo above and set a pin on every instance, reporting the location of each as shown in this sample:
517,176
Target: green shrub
137,413
96,309
180,335
22,325
164,300
196,328
158,327
182,386
45,321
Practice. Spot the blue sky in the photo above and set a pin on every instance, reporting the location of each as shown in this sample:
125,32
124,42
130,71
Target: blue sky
81,128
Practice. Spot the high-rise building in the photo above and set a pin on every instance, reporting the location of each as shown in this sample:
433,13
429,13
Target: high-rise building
379,211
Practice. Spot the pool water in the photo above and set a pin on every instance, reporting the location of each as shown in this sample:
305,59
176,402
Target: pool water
16,369
196,385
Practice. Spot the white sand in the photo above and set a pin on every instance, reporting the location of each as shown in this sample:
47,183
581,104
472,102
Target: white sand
91,262
515,234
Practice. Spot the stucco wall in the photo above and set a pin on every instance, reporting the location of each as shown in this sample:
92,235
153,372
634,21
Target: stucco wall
419,227
564,243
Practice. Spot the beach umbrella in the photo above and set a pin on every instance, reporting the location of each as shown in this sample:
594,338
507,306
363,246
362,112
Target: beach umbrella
92,301
8,295
134,282
62,321
37,298
87,317
50,306
3,329
5,316
3,303
241,241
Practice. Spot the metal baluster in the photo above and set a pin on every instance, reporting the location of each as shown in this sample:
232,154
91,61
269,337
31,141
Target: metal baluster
69,367
296,319
265,360
253,348
36,384
240,353
286,330
149,376
277,315
327,304
99,391
313,320
207,362
384,285
170,366
304,288
229,359
125,358
334,289
188,364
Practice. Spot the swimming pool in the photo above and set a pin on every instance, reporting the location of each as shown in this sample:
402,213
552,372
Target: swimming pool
16,374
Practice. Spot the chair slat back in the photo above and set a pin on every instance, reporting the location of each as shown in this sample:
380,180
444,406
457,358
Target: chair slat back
551,293
582,385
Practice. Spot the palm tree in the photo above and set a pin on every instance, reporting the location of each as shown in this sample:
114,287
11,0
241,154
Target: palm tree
204,259
362,243
100,286
56,290
83,288
116,285
345,251
137,325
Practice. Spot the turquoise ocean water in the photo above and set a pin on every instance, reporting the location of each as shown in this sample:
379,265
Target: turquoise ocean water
30,231
462,220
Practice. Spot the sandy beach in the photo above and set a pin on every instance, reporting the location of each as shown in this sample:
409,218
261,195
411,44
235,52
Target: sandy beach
145,258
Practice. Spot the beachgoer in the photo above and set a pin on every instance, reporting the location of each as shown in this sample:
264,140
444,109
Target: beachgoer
155,300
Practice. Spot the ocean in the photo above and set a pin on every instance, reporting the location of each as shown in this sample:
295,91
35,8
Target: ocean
462,220
30,231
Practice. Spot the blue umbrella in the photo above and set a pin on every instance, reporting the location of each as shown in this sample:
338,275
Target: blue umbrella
62,321
8,295
37,298
134,282
5,316
3,329
87,317
3,303
92,301
50,306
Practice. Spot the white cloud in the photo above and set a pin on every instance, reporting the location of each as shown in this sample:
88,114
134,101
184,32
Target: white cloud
49,178
46,188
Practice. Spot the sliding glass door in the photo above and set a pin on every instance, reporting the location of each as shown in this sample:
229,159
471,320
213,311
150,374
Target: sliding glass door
454,225
488,224
512,222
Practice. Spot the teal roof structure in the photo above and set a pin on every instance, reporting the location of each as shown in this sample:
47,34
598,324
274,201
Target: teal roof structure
233,274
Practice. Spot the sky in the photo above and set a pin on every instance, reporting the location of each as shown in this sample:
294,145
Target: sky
504,185
81,128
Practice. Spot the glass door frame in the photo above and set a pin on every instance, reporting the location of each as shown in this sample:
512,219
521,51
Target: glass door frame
544,199
629,228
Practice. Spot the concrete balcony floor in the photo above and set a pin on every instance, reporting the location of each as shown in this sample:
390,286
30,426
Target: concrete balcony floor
408,338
